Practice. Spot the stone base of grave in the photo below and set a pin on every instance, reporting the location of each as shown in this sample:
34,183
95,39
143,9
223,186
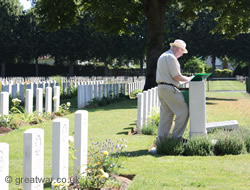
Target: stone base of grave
229,125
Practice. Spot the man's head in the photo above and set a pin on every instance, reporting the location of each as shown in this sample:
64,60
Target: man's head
178,48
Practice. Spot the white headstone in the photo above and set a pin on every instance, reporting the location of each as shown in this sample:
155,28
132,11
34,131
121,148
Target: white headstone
48,100
107,90
60,149
145,107
39,100
80,96
21,93
80,142
57,98
35,86
139,111
14,91
153,98
64,88
29,101
4,103
33,159
95,91
90,92
104,90
100,91
4,166
149,102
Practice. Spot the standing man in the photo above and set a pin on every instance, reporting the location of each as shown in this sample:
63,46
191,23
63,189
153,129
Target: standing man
168,77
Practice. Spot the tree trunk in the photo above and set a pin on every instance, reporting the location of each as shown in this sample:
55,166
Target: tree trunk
3,70
213,61
71,68
249,68
141,66
106,68
36,66
155,13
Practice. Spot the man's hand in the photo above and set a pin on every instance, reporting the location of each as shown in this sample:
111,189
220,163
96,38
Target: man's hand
181,78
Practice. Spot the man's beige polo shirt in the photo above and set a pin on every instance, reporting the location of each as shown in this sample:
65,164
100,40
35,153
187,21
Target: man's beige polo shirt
167,67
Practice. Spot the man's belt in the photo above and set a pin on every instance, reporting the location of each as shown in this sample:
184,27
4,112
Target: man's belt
167,84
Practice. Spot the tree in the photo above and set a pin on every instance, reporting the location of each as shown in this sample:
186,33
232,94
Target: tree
134,46
32,40
116,16
10,10
70,44
239,49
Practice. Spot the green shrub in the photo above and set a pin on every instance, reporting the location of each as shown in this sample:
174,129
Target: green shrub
198,146
208,69
247,143
134,93
229,144
155,117
244,134
195,65
223,73
170,146
149,129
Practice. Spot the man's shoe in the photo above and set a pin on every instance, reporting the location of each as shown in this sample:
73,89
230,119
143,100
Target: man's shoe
153,150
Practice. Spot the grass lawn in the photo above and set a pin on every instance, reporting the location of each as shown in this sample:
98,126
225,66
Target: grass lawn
225,85
153,171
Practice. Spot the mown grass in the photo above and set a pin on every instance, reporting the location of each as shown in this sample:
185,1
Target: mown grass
225,85
154,171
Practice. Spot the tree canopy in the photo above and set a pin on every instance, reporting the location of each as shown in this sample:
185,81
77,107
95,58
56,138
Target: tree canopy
114,16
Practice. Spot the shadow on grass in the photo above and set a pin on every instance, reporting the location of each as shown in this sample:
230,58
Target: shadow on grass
145,152
128,127
210,103
221,99
122,133
125,132
138,153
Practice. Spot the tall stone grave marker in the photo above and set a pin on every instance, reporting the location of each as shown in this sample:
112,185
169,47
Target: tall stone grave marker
60,149
4,103
80,142
33,159
140,111
29,101
48,100
57,98
39,100
4,166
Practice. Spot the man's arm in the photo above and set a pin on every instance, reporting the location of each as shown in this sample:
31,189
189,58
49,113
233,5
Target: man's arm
181,78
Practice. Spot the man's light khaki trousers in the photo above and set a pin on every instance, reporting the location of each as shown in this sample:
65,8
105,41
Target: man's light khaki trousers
172,103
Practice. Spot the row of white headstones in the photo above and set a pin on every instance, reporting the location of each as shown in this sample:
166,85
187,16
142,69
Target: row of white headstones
4,101
17,85
147,102
74,79
85,93
18,89
33,154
